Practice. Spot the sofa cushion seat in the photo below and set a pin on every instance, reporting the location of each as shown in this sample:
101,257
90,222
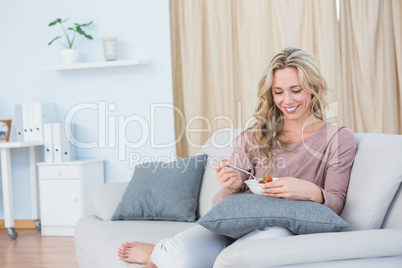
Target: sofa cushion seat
100,239
369,248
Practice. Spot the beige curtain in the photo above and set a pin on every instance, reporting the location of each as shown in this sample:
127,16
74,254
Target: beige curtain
371,45
221,47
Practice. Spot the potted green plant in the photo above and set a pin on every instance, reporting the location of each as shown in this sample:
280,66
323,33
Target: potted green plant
70,54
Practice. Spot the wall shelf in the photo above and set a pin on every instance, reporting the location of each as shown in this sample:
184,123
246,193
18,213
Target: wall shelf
92,65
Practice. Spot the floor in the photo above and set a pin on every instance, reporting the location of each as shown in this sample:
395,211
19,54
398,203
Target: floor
31,250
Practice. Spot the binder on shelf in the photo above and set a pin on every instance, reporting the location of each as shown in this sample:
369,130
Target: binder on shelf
30,118
31,126
56,129
63,150
43,113
18,123
67,149
48,142
25,122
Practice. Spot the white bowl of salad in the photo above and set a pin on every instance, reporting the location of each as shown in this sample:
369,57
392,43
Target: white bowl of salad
255,186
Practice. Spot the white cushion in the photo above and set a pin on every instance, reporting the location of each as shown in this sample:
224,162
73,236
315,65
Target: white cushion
220,144
106,198
375,178
393,220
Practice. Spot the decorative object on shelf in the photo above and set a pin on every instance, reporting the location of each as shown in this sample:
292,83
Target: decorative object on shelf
70,54
5,127
110,48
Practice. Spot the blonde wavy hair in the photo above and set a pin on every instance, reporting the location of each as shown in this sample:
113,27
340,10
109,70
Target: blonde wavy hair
269,126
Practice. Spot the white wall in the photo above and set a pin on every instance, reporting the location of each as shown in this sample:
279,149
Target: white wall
143,30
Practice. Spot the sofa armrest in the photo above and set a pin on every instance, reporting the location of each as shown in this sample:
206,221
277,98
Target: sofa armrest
304,249
106,198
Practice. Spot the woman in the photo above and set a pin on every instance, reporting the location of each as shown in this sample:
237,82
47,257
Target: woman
291,141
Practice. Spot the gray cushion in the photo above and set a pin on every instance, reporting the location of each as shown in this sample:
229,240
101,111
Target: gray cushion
239,214
163,191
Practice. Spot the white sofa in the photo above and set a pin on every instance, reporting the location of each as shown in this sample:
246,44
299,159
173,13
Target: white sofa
373,210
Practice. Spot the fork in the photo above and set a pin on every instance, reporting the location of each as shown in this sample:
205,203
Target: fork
244,171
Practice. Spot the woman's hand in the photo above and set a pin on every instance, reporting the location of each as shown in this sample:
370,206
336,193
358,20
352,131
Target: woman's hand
227,176
293,189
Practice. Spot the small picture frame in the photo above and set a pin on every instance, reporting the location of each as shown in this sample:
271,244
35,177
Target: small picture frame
5,127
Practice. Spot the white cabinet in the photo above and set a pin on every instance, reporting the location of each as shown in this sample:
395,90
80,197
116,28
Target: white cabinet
65,194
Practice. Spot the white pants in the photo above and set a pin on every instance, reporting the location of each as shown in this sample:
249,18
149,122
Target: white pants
197,247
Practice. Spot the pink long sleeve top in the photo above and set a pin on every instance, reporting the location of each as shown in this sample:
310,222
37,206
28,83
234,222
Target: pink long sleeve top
325,159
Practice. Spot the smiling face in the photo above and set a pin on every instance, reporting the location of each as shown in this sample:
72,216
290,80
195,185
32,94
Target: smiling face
289,97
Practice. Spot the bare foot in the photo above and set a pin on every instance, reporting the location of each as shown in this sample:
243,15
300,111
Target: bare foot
136,252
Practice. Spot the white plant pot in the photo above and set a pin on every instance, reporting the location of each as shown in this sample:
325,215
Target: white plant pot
70,56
